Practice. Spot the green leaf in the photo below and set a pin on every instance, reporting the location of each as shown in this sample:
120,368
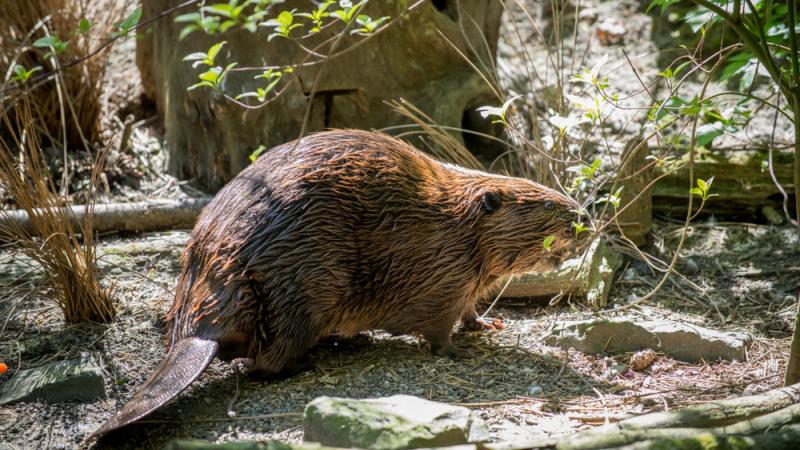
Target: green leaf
663,4
188,29
130,21
84,25
214,51
702,185
22,74
227,25
211,75
256,153
222,9
47,41
707,132
189,17
196,56
579,228
200,84
735,64
548,242
51,42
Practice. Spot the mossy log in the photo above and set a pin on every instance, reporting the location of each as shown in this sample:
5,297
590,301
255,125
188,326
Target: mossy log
768,420
420,59
742,185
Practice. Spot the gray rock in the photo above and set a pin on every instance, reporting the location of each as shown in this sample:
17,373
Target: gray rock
75,379
397,422
681,341
246,445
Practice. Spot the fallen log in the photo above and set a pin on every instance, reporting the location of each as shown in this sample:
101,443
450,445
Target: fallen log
768,420
742,184
151,215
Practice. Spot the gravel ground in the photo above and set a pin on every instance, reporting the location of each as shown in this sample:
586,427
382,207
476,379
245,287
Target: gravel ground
521,387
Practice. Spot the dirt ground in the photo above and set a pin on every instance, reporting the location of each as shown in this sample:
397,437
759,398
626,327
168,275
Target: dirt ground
733,276
744,279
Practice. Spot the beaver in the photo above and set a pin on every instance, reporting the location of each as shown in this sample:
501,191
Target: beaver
337,233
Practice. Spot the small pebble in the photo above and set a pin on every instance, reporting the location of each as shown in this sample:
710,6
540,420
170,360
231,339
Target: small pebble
752,389
534,390
610,32
642,360
690,267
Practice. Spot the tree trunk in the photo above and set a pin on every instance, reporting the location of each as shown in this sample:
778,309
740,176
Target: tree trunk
210,138
793,365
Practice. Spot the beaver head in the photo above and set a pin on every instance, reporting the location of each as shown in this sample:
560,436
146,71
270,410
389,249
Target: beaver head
524,226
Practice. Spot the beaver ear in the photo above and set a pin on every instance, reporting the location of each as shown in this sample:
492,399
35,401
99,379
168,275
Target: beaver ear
492,201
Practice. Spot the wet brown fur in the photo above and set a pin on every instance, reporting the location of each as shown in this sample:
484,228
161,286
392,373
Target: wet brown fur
346,231
341,232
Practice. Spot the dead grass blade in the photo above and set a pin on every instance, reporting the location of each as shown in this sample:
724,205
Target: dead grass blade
66,255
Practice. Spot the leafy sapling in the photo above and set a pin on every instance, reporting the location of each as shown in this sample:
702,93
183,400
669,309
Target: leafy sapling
317,16
614,198
368,25
592,76
565,124
348,10
21,74
56,45
282,25
206,58
498,112
702,189
579,228
215,75
127,25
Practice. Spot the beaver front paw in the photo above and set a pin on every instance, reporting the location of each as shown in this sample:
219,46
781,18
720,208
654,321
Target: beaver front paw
486,324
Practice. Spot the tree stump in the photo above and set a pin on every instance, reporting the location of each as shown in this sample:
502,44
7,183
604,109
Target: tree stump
210,138
637,218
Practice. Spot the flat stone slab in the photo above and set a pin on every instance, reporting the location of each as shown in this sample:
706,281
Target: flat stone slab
78,379
269,445
682,341
246,445
396,422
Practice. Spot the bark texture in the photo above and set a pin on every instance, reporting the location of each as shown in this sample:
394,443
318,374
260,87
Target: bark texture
156,215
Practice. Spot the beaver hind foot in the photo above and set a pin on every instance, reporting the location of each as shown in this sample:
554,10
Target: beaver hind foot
442,344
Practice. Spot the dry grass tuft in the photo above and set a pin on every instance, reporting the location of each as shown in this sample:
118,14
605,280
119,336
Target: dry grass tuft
66,255
67,108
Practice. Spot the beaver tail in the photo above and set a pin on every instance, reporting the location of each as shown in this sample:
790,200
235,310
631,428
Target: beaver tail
185,361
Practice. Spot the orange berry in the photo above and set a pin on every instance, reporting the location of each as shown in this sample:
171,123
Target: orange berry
3,368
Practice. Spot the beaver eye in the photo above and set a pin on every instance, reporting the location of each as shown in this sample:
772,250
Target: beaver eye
491,201
549,205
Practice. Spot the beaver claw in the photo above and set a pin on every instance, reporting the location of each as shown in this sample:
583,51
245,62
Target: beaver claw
487,324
